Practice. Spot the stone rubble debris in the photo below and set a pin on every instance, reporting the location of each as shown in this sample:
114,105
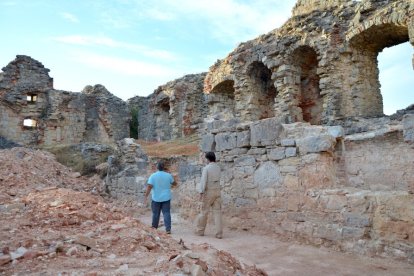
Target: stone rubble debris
55,226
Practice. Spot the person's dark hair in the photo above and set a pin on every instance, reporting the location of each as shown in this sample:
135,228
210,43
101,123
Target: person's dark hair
211,156
160,165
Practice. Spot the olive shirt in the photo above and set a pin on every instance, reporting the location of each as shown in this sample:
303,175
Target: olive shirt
210,178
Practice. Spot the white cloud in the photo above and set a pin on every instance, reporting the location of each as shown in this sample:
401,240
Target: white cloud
70,17
9,3
109,42
160,15
124,66
232,20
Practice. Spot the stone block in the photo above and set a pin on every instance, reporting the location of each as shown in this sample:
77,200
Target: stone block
357,220
277,153
290,152
225,141
243,139
353,233
268,176
294,202
288,143
208,143
291,182
313,144
237,151
245,161
408,128
265,132
288,169
328,231
333,202
243,172
257,151
242,202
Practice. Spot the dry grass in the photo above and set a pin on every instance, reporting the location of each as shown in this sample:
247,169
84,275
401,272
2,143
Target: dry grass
71,156
187,146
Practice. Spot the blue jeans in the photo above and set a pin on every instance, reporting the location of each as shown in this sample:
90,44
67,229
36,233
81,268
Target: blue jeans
156,208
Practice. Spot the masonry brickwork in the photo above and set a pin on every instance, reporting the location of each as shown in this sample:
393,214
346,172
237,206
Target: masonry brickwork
33,113
295,117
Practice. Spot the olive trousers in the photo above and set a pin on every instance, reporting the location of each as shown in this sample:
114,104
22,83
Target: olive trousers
211,201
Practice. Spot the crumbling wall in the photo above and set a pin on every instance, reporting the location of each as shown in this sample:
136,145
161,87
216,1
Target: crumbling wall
354,192
174,110
35,114
322,62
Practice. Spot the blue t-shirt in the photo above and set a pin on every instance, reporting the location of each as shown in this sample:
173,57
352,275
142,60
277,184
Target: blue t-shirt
161,186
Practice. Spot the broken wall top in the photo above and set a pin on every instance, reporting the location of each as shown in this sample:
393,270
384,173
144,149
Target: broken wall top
26,73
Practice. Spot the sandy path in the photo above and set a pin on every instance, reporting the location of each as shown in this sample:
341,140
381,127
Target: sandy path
283,258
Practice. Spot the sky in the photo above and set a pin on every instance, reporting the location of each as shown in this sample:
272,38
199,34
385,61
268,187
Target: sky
133,46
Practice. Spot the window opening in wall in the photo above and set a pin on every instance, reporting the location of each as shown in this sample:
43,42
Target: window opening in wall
31,98
309,98
29,123
263,86
396,76
221,100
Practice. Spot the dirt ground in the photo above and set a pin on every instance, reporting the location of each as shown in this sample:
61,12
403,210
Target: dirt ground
282,258
55,222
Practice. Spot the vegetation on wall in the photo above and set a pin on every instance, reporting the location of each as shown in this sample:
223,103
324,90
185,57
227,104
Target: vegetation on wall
133,124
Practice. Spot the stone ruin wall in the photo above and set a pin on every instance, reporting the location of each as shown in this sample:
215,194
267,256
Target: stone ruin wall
322,63
26,92
314,183
296,119
175,109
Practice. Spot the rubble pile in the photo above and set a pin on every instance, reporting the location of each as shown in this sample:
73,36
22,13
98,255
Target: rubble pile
52,229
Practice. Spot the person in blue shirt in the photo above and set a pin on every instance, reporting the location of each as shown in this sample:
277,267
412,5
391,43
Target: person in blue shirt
160,184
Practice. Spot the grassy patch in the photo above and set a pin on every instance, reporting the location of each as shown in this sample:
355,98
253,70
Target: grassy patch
71,156
187,146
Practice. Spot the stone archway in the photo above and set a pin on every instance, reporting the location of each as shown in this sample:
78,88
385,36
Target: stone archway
262,89
308,96
366,97
221,100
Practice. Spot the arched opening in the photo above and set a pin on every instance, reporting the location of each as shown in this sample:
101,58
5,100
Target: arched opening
309,97
29,123
263,89
368,99
162,118
396,77
221,100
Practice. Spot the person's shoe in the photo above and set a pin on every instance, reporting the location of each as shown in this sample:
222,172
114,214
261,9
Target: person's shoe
219,236
199,233
169,232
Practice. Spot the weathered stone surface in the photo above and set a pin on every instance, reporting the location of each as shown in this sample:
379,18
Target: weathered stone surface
175,109
336,131
287,143
243,139
408,131
225,141
257,151
268,176
208,143
245,161
34,113
277,153
290,152
316,144
265,132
